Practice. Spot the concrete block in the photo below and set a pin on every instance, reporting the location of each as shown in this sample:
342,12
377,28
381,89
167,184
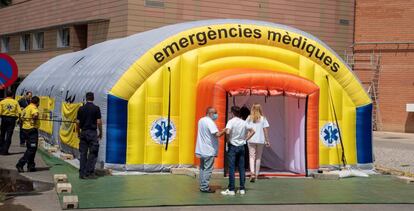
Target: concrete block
63,188
184,171
103,172
66,156
70,202
406,180
325,176
60,178
52,149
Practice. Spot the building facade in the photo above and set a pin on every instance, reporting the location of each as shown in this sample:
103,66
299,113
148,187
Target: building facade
374,36
33,31
383,59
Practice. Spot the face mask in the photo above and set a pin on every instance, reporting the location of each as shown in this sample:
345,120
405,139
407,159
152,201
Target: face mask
214,117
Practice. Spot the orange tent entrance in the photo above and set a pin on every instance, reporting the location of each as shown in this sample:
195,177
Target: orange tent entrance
213,91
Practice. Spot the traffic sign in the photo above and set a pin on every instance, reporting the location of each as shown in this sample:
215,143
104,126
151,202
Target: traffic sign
8,71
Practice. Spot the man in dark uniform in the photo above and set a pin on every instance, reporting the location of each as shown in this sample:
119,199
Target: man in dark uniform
9,112
88,121
24,102
30,126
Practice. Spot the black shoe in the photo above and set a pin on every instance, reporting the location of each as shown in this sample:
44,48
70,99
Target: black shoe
82,177
19,168
207,191
31,170
92,176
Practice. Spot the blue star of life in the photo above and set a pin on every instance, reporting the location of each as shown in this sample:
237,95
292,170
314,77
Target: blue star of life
160,131
330,134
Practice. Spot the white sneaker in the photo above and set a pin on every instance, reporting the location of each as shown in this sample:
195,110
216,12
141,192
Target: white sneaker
241,192
228,193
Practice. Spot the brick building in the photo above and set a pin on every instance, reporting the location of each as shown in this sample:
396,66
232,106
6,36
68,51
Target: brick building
33,31
384,59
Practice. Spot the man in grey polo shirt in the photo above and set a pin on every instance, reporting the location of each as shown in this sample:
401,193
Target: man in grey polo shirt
207,147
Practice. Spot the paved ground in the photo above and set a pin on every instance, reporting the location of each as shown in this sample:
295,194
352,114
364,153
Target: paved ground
392,150
47,200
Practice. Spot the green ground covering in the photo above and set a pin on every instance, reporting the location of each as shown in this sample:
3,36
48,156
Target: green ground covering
164,190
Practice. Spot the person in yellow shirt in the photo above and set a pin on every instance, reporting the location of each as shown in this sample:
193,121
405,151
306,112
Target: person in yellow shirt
30,125
9,112
24,102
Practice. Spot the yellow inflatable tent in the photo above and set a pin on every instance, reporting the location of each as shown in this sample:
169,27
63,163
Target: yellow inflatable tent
176,71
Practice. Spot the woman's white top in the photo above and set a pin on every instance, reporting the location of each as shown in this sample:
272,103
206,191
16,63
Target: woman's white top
258,137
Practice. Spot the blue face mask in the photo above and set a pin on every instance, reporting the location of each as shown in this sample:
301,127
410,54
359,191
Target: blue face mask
214,117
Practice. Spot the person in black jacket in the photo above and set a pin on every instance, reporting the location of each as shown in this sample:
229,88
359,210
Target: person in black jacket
88,122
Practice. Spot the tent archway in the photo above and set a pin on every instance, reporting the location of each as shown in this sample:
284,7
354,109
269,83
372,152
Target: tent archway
212,91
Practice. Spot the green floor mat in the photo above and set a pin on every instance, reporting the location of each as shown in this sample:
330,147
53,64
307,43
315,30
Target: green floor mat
168,190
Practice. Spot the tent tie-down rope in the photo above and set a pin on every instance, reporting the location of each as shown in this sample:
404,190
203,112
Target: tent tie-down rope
49,120
336,122
169,109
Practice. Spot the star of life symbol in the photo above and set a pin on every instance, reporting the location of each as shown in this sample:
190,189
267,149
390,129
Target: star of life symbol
9,107
330,134
160,131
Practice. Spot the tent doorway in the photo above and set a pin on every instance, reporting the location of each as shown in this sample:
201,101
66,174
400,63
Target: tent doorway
286,116
219,89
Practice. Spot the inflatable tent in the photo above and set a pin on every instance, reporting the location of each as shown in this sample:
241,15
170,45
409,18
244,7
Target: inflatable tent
319,113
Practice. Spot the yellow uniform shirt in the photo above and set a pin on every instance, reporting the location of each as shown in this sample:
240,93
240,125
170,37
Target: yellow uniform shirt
10,107
27,117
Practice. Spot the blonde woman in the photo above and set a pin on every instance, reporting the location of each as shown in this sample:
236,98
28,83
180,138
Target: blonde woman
260,125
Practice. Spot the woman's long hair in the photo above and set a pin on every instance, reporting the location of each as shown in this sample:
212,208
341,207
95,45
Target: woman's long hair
256,112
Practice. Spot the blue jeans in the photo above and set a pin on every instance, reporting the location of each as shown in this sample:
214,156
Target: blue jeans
236,153
206,168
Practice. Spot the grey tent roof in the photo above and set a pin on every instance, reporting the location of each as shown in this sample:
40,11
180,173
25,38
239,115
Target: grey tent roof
98,67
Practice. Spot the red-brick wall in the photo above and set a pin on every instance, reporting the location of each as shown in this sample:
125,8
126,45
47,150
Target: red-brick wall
388,21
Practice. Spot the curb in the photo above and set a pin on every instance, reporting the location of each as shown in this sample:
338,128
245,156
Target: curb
391,171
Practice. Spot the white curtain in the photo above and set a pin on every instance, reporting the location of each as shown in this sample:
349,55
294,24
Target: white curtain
286,116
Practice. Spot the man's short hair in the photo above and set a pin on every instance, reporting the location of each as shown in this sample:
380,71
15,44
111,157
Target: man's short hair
208,109
235,110
9,93
90,96
29,92
35,100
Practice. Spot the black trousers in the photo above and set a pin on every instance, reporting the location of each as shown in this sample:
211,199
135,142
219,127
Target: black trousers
32,137
88,150
22,141
6,132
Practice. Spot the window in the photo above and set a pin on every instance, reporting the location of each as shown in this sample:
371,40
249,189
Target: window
63,38
38,40
24,42
154,3
5,3
5,44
